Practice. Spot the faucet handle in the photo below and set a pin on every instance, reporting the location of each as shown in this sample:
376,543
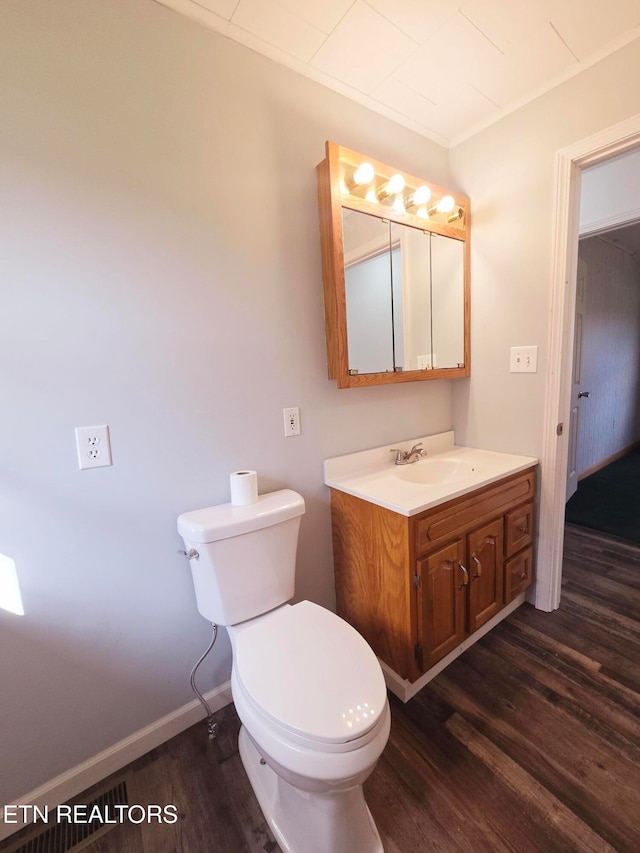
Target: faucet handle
414,449
400,454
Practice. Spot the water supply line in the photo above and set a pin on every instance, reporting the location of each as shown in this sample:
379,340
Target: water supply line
212,726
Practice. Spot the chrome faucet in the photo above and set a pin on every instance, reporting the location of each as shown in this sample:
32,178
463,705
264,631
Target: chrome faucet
406,457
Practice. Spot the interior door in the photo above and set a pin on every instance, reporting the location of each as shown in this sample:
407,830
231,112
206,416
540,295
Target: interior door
576,390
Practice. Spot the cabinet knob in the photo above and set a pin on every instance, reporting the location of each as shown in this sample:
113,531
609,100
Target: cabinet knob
465,579
522,528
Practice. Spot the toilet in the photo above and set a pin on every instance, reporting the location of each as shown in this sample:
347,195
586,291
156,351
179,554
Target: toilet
308,689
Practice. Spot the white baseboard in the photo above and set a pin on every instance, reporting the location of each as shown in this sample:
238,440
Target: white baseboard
90,772
406,690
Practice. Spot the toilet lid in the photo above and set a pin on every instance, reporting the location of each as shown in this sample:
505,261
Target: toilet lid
312,673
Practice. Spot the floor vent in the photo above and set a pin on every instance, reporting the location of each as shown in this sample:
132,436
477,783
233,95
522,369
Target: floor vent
66,837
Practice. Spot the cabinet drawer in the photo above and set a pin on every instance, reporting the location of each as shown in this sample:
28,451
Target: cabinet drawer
518,529
436,526
518,574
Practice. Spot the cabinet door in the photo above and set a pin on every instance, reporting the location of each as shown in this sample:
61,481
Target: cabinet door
518,574
442,590
486,570
518,529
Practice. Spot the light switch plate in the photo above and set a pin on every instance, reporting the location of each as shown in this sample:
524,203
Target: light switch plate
524,360
94,447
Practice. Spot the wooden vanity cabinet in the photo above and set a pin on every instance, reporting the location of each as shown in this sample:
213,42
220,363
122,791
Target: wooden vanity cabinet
416,587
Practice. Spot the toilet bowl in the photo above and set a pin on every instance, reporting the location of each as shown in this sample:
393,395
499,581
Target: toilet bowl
308,689
312,701
311,694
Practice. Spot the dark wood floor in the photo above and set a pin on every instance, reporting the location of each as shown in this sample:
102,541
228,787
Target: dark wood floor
528,742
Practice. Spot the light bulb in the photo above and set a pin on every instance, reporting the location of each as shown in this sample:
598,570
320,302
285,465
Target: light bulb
363,174
446,204
419,197
393,186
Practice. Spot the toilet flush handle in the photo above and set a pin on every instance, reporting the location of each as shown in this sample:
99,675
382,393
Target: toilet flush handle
192,554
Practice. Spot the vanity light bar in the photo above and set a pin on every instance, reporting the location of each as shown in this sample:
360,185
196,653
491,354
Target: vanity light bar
368,182
415,202
364,176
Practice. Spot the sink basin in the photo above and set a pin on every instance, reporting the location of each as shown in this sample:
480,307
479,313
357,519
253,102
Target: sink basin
436,471
447,472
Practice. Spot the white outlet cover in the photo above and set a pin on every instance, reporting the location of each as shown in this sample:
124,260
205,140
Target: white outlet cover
93,446
291,421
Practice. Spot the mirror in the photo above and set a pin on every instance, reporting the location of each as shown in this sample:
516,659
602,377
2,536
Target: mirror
404,290
373,293
395,274
447,301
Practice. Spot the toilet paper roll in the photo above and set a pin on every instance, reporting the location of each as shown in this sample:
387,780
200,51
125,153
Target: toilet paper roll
244,488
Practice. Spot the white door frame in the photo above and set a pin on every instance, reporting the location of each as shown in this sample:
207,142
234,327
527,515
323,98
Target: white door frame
575,409
569,163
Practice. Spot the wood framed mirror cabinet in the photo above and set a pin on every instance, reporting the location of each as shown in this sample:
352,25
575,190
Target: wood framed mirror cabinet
395,259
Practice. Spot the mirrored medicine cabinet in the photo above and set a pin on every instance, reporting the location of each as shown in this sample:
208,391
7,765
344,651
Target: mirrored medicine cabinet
395,256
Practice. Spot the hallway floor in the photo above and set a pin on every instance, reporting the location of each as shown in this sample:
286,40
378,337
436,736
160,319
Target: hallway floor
609,499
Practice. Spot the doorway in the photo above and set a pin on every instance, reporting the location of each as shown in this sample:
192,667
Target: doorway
555,452
605,417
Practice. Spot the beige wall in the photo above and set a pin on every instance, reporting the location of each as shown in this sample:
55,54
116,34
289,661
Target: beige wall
508,171
160,273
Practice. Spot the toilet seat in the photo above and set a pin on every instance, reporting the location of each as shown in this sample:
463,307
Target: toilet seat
310,677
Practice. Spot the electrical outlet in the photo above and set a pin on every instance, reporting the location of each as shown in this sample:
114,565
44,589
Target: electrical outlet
426,362
523,360
291,421
94,447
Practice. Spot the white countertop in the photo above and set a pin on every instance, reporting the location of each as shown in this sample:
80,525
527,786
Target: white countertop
448,471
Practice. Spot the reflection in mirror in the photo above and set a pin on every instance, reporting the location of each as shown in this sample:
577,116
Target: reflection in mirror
447,299
372,292
397,294
417,297
404,290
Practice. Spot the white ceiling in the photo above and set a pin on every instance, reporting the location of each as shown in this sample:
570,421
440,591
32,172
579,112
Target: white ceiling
445,68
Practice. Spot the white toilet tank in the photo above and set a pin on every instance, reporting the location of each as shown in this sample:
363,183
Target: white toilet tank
246,559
